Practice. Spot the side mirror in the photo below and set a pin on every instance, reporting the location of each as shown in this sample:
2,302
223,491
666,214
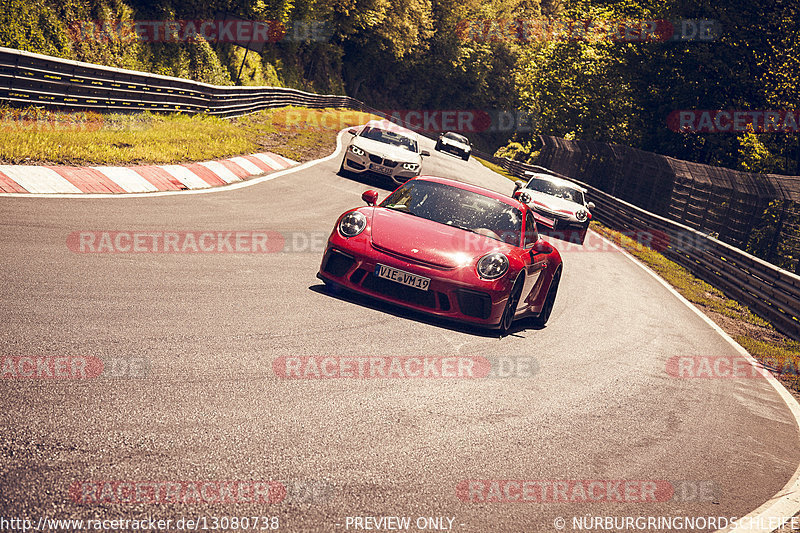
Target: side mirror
541,247
370,197
352,131
590,205
518,185
424,153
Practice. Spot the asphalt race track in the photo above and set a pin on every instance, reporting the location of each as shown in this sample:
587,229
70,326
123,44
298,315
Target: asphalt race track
208,407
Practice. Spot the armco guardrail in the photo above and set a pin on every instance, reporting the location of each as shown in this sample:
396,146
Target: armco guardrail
34,79
769,291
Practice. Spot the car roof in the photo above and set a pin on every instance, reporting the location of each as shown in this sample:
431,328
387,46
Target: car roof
391,126
554,179
476,189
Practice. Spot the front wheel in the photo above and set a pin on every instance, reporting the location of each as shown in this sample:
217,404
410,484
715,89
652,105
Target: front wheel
511,306
547,308
465,157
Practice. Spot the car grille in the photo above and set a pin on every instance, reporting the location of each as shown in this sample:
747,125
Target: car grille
399,292
474,303
338,263
381,161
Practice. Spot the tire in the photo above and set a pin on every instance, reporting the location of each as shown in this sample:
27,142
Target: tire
438,146
547,308
465,157
511,305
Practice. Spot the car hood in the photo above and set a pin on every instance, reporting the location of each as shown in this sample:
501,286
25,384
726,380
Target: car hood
553,203
387,151
430,242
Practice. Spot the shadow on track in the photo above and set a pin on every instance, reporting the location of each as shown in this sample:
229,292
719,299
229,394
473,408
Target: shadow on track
340,293
373,181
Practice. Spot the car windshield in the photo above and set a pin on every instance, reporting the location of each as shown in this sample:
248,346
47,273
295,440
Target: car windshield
456,137
553,189
459,208
390,137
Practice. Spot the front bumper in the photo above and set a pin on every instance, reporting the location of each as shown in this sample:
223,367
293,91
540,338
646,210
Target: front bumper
451,294
562,220
384,167
453,150
565,228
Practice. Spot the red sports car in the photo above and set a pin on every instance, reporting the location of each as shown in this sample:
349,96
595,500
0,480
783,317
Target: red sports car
449,249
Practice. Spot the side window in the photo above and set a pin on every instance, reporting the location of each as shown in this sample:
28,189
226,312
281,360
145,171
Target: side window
530,230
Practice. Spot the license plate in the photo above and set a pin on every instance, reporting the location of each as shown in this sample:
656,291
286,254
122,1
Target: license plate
402,277
381,169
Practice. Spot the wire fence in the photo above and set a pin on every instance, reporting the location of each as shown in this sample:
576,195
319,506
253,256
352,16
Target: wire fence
755,212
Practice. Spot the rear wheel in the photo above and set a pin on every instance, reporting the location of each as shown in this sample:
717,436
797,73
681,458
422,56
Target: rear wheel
511,306
465,157
438,146
541,320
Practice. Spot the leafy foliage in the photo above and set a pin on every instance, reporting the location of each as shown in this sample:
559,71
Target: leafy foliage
414,54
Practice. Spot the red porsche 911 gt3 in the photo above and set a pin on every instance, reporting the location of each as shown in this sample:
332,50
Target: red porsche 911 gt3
449,249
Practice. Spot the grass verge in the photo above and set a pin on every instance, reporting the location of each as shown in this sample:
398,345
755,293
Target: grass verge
38,136
497,169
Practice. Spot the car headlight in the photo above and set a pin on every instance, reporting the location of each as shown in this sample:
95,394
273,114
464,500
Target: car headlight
492,265
356,150
411,166
581,214
352,224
